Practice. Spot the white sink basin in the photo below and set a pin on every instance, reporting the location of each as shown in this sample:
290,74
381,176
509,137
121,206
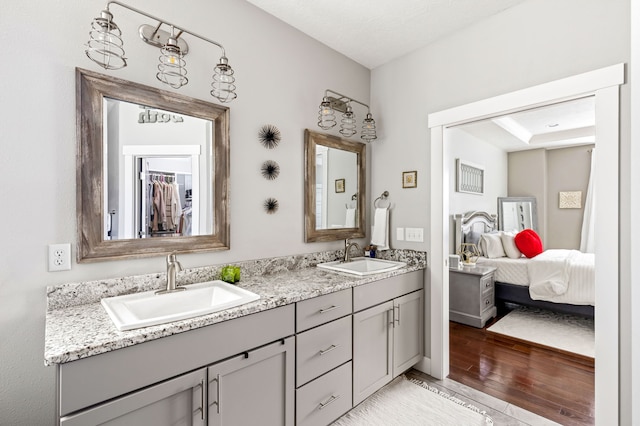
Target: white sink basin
363,266
144,309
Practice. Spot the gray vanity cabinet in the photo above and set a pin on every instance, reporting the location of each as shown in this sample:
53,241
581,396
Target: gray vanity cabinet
179,401
387,331
408,331
323,358
254,388
130,383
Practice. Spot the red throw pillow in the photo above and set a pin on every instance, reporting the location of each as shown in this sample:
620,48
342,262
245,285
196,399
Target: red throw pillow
529,243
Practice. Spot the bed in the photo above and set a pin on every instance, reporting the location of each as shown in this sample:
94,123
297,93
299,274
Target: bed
516,280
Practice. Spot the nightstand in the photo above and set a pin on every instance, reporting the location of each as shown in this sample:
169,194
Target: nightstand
471,295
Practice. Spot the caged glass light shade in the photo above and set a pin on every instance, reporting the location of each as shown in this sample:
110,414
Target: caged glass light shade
171,69
223,87
368,133
334,101
105,48
105,43
348,123
326,115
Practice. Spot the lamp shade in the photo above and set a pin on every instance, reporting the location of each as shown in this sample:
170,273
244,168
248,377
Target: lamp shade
326,115
223,85
105,43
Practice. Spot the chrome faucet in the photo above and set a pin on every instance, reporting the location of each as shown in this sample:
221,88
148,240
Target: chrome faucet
173,266
347,248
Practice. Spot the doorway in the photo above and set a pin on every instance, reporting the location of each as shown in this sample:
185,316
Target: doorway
604,85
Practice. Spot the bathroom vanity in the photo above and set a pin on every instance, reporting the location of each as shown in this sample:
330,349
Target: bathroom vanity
316,344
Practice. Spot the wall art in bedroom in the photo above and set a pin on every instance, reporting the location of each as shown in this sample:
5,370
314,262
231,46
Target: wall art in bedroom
469,177
570,200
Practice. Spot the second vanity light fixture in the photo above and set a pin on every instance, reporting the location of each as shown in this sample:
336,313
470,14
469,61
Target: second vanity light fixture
105,47
342,103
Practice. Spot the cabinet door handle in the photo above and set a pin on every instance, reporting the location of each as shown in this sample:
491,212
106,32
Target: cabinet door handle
201,399
329,309
391,313
332,399
394,314
217,402
329,349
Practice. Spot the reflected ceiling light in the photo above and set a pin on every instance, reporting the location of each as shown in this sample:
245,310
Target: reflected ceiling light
105,48
342,103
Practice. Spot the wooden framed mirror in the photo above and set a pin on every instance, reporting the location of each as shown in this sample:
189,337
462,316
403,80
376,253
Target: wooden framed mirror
335,188
152,171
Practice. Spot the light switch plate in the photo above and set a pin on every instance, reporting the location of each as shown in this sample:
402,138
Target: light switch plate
400,234
415,234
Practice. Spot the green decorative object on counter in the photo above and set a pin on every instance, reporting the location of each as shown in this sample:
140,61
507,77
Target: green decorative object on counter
230,274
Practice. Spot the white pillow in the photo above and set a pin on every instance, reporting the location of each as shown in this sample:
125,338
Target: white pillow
509,245
491,246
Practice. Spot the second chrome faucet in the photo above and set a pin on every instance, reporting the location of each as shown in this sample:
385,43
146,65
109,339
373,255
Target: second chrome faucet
347,248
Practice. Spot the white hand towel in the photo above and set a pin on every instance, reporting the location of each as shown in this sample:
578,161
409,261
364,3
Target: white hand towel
380,232
350,221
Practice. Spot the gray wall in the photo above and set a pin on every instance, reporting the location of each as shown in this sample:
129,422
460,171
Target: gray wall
543,174
535,42
528,178
38,161
567,170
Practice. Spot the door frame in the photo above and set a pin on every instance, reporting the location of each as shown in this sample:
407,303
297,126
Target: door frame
604,85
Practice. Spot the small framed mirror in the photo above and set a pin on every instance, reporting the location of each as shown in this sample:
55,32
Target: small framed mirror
152,171
517,213
335,188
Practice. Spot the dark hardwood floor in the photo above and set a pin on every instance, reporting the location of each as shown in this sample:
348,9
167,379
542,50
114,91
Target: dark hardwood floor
555,385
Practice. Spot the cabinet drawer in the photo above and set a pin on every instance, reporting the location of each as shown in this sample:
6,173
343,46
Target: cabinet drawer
487,301
486,283
325,399
319,310
321,349
377,292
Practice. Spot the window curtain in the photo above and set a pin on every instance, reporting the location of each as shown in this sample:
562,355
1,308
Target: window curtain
587,243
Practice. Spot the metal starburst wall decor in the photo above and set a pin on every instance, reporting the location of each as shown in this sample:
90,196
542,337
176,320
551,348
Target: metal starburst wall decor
269,136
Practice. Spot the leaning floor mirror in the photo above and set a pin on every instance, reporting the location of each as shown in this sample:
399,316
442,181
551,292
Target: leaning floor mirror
152,171
517,213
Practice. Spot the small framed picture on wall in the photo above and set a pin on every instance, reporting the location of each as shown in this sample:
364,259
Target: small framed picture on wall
339,185
410,179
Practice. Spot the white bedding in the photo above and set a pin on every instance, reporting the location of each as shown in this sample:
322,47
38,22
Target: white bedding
512,271
559,276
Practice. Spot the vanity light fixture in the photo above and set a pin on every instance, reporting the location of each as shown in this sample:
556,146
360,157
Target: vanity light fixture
342,103
105,48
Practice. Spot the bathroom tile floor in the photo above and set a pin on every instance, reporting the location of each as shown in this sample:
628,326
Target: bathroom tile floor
502,413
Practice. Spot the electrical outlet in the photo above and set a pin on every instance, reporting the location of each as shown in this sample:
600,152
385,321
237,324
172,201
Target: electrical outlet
59,257
400,234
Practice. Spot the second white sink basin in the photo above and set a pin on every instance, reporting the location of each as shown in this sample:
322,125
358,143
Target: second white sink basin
363,266
145,309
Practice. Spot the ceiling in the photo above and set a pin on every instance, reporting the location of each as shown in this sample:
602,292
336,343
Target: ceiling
374,32
554,126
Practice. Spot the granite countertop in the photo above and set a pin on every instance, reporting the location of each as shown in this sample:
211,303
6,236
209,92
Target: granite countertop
76,330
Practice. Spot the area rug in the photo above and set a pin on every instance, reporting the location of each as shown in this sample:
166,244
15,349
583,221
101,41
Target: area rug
405,402
569,333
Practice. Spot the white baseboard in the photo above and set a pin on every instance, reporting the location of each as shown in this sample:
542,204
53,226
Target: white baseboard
424,365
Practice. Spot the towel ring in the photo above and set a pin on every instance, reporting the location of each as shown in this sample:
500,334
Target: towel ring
382,197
